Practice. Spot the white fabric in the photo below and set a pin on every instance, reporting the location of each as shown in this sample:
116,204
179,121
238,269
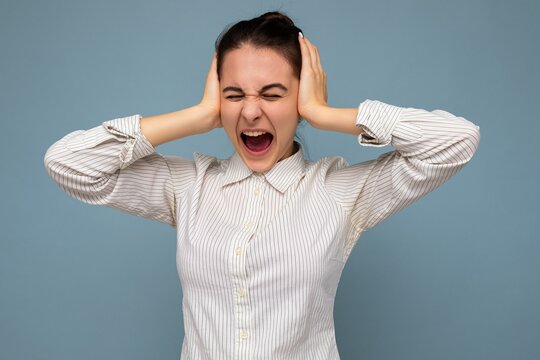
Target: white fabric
260,256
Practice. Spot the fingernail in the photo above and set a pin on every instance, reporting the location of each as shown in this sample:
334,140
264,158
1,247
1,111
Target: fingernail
301,35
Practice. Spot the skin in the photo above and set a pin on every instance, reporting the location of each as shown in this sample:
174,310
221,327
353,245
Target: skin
213,111
246,107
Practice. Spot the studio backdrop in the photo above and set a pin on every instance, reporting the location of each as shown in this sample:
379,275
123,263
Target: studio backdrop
453,276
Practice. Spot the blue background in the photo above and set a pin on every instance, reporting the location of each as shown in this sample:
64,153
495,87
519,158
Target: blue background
454,276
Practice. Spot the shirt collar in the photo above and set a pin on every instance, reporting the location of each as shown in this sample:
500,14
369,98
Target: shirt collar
281,176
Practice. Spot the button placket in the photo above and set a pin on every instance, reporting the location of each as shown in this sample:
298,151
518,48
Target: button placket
258,191
242,292
255,197
238,251
241,298
248,226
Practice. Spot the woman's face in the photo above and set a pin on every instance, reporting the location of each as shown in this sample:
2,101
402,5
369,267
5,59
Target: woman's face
259,111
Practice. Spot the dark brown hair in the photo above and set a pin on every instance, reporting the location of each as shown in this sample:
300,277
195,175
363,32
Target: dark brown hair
273,30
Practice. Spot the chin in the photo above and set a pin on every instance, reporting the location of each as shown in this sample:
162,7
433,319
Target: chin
259,166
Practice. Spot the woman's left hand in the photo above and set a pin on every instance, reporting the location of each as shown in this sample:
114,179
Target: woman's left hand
312,94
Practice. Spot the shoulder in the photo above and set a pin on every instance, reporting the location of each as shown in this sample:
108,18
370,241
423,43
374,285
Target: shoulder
325,165
204,162
186,172
200,163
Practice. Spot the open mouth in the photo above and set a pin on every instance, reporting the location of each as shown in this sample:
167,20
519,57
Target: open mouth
257,142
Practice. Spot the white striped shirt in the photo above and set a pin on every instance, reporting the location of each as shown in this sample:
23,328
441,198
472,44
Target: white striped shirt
260,256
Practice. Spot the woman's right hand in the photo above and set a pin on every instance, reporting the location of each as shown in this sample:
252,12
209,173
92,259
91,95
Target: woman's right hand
210,102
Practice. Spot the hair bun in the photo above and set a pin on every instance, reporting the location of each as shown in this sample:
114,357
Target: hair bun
277,16
271,30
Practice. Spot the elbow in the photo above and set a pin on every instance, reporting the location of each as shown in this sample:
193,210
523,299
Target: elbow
49,159
460,146
54,160
466,143
472,140
57,165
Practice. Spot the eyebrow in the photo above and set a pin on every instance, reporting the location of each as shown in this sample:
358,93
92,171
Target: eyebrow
264,88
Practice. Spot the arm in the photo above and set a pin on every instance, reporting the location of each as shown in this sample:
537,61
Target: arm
116,164
198,119
430,147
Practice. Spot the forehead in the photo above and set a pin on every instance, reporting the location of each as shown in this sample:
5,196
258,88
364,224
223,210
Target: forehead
251,68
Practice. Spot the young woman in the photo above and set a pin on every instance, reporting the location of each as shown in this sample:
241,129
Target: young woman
262,237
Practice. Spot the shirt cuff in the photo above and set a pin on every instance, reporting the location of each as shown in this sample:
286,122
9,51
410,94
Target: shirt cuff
378,120
128,129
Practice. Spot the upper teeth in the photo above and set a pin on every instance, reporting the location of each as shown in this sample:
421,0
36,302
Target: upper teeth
254,133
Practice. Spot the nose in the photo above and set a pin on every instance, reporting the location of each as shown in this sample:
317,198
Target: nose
251,109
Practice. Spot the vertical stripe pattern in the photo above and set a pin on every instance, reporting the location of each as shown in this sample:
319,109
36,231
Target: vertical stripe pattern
260,256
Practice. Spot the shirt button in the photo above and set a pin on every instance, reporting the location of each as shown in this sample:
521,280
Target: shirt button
243,334
249,225
257,191
242,292
238,251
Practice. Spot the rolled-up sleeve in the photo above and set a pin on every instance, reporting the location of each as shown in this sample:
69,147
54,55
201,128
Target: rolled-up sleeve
114,165
429,147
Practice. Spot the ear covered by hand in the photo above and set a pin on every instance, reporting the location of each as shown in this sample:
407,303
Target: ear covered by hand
312,93
210,101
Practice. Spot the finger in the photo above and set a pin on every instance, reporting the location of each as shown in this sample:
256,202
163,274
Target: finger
317,57
323,83
306,60
312,55
213,65
325,90
319,63
214,62
318,70
311,52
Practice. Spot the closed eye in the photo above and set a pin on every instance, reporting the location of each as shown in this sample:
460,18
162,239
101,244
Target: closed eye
266,96
272,96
